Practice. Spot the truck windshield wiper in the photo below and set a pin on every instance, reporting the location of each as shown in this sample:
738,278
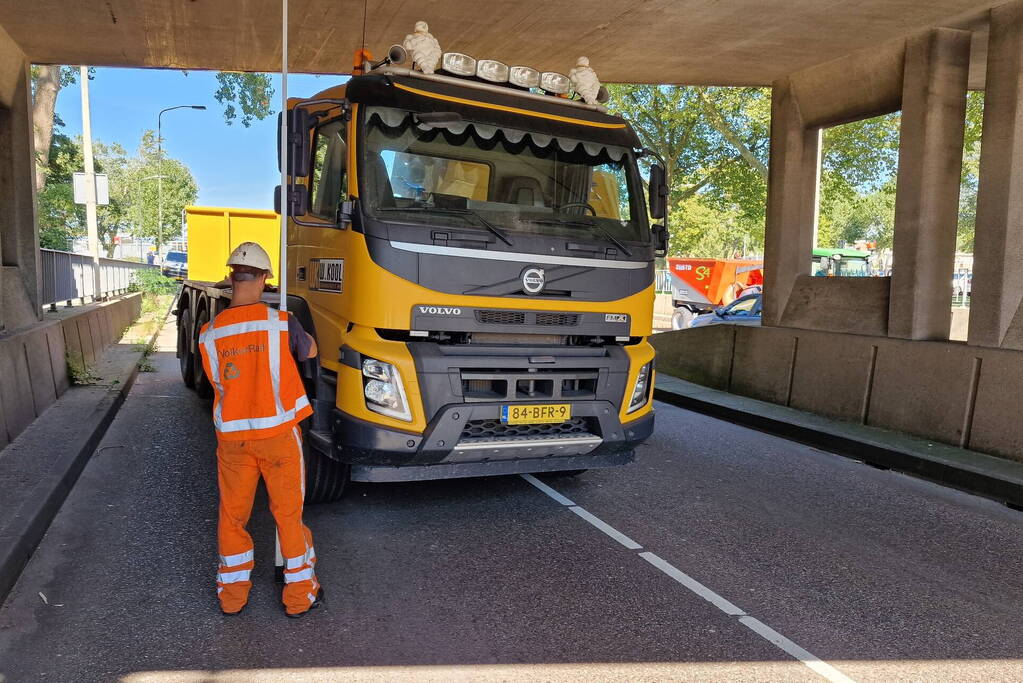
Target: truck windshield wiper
458,212
584,224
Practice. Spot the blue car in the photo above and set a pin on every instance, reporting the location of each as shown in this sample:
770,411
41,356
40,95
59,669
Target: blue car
743,311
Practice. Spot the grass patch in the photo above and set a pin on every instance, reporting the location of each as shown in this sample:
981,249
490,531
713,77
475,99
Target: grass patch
79,372
147,349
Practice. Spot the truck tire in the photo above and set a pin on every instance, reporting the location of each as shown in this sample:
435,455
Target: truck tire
325,478
681,318
202,382
185,361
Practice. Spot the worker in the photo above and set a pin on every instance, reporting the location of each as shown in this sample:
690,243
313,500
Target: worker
258,402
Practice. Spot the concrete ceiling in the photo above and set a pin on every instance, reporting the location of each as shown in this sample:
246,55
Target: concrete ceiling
718,42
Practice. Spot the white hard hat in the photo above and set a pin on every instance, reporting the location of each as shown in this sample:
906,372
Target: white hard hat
252,255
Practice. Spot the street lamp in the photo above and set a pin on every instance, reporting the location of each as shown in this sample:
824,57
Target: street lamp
159,161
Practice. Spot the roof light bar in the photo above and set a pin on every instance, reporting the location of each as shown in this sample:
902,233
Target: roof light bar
553,82
524,77
492,70
459,64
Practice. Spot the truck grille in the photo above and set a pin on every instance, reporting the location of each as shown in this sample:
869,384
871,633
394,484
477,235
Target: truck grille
480,385
542,319
567,319
501,317
493,429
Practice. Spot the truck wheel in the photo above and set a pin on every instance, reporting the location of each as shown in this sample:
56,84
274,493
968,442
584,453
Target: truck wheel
202,382
185,349
325,478
681,318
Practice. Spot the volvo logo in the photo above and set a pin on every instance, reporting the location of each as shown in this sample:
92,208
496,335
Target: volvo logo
533,280
440,310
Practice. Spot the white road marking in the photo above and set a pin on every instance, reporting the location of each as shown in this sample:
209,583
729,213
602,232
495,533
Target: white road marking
693,585
547,489
606,528
813,662
770,635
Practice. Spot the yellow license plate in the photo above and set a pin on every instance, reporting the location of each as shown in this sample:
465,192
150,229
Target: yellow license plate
536,414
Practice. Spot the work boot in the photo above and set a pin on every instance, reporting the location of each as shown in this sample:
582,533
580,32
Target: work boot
316,603
235,613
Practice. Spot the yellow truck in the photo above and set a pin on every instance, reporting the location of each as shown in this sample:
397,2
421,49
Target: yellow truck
472,251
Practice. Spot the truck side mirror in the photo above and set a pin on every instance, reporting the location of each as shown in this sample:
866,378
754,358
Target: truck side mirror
298,201
658,192
300,122
660,240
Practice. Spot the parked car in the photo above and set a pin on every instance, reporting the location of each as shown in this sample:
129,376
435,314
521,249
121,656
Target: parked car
175,265
743,311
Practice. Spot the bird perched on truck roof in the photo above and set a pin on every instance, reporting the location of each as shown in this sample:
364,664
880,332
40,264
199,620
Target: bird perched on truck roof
423,48
585,81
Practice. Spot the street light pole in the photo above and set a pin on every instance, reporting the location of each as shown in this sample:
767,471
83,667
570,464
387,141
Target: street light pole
159,169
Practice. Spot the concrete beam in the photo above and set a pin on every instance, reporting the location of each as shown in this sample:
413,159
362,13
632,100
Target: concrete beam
997,277
791,200
927,201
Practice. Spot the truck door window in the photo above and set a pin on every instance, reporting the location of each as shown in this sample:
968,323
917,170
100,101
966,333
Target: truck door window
329,181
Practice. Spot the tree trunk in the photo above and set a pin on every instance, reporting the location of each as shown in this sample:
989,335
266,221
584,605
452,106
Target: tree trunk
44,101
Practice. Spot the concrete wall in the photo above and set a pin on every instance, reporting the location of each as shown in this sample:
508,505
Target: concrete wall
962,395
20,272
33,359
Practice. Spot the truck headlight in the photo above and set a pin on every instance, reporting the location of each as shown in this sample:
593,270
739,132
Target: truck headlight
458,64
384,392
552,81
641,392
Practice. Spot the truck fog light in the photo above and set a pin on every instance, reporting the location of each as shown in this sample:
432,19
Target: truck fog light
641,392
552,81
458,64
524,77
492,70
383,389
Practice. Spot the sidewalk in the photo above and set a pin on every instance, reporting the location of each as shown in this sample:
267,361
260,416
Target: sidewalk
977,473
39,468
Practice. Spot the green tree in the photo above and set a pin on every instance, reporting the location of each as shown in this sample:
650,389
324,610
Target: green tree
133,193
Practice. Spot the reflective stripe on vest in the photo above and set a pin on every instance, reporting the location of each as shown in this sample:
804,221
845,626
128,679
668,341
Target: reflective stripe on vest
273,326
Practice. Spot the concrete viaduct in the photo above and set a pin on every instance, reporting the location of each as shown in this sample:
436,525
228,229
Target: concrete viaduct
875,350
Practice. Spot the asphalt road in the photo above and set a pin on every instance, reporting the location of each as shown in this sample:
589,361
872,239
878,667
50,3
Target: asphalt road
721,553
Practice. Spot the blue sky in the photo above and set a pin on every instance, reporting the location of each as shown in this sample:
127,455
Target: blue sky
233,165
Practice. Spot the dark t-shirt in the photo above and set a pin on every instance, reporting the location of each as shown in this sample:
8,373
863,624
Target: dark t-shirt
299,342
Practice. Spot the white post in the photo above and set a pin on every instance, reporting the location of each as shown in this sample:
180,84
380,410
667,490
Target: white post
90,183
282,275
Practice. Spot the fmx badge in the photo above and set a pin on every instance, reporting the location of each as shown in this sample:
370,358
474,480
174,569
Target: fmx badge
330,274
533,280
616,318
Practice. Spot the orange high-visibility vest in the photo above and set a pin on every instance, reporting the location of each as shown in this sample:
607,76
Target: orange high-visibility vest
259,393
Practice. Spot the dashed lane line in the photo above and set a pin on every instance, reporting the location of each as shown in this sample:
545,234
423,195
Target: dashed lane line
813,662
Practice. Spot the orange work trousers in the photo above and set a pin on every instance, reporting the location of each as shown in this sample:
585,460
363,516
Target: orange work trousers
239,466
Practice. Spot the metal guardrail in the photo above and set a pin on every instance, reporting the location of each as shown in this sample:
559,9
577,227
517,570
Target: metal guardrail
68,276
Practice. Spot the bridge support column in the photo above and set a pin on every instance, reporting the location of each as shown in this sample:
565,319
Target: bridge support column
20,272
997,276
791,200
927,201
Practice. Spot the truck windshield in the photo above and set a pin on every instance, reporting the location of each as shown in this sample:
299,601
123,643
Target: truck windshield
510,180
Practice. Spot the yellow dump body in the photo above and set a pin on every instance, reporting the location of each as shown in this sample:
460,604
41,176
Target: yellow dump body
214,231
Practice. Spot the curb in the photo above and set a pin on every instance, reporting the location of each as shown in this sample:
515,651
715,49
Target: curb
972,476
29,525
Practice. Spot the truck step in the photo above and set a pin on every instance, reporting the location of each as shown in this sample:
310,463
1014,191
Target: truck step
321,441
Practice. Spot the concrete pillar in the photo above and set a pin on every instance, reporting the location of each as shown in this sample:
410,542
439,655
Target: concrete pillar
791,200
20,275
998,251
927,200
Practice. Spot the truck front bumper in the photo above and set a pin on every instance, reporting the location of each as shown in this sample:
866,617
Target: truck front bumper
469,440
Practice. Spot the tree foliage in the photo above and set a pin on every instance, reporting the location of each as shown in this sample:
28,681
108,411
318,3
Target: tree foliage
715,145
133,193
250,91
